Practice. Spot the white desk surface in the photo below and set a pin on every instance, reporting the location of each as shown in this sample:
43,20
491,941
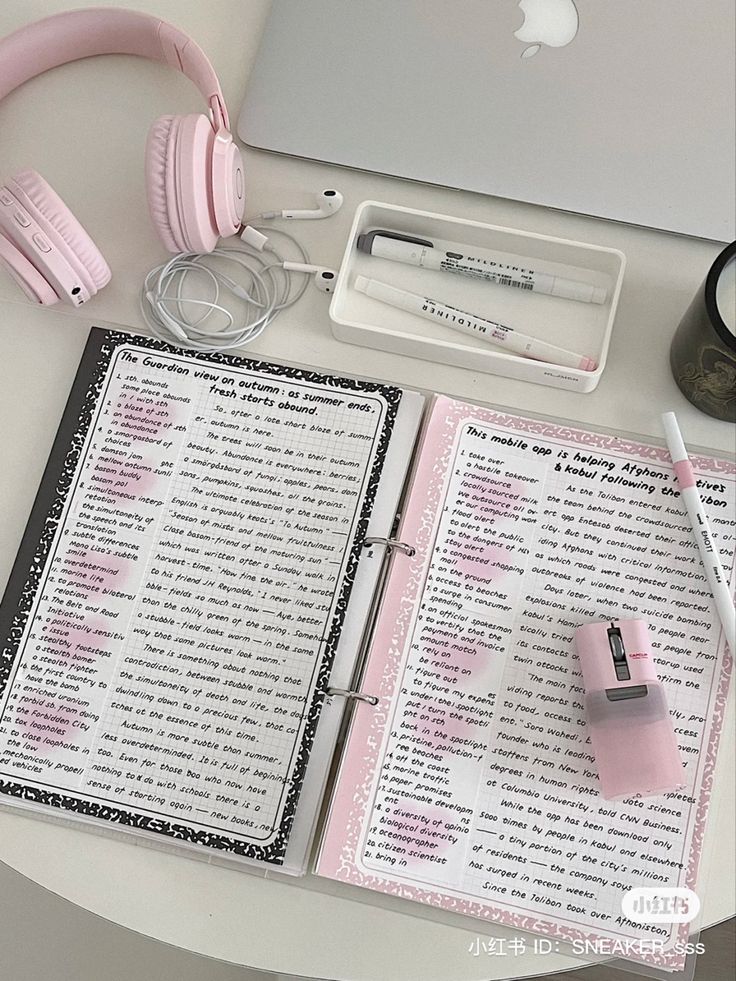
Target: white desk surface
84,129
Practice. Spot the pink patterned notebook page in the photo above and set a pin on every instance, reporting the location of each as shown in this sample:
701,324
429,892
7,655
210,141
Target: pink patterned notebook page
471,786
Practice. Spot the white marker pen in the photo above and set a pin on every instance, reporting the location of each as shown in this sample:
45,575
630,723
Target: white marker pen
487,330
714,573
478,263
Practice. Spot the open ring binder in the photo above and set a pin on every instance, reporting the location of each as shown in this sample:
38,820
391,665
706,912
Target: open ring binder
391,544
358,695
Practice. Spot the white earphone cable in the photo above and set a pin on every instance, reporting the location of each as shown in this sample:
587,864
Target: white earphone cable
267,290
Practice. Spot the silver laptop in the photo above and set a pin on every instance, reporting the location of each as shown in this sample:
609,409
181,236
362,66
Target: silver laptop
624,109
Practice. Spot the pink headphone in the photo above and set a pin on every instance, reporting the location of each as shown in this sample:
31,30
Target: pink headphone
194,171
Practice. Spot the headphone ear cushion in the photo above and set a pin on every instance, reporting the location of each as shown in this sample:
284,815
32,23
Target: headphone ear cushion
25,274
179,181
57,220
160,181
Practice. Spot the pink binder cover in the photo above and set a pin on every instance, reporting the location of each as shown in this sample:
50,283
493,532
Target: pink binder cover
352,796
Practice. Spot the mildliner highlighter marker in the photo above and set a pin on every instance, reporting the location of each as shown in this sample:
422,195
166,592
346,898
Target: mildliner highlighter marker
478,263
467,323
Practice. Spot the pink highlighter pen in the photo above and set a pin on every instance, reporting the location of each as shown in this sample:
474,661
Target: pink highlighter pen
630,727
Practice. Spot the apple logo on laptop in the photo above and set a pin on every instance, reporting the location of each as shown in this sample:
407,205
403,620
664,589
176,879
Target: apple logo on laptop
552,22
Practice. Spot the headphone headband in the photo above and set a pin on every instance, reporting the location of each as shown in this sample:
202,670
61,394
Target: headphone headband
77,34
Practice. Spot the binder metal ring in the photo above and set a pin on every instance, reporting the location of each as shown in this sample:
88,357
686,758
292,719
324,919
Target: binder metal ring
391,544
357,695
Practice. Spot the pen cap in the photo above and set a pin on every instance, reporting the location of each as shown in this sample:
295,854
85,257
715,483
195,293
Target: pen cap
611,650
583,292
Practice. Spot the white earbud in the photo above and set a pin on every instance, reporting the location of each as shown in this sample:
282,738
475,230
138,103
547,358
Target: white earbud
324,278
329,203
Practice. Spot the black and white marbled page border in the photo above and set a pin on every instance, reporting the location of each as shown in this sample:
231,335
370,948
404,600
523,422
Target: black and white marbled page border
39,535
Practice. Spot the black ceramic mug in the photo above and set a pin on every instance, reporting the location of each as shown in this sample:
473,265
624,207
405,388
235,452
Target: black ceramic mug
703,352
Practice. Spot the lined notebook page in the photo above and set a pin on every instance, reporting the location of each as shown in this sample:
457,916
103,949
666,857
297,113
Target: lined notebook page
472,785
171,621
